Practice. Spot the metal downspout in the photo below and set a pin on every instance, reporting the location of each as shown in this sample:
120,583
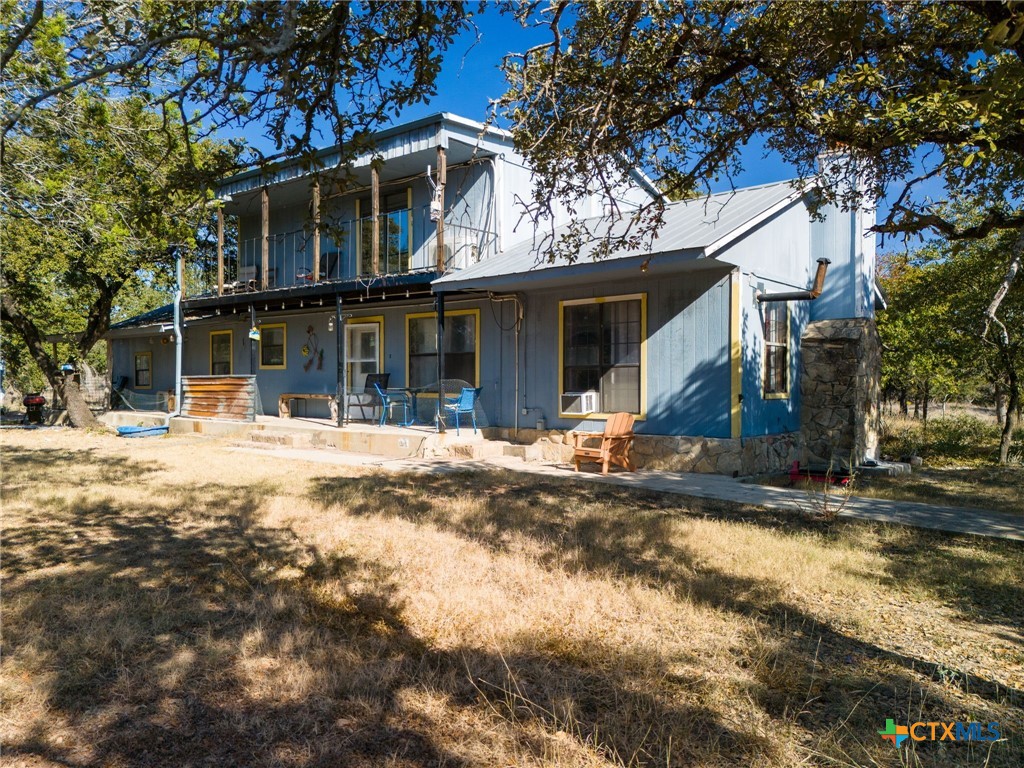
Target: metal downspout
178,338
808,295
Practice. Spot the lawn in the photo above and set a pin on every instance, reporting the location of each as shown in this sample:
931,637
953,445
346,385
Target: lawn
173,602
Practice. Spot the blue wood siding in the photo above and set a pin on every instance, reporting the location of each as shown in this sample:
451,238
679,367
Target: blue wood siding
122,361
761,415
687,376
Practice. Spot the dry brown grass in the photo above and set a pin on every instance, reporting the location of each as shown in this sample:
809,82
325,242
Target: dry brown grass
168,602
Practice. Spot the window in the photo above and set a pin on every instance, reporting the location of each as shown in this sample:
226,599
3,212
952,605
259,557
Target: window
395,233
143,370
602,345
220,353
362,349
272,346
461,347
776,349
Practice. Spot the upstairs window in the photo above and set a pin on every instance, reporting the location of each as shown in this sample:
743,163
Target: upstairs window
395,233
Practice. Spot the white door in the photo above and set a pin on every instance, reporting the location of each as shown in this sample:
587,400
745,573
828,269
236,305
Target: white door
362,353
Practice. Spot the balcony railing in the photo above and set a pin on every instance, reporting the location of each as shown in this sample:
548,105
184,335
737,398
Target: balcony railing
407,244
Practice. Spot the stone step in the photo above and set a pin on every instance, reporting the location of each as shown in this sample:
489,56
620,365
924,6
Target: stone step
531,453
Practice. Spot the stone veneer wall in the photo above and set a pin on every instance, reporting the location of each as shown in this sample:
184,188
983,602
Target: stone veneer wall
749,456
840,368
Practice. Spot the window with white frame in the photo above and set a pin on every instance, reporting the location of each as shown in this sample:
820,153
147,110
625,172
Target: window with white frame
776,349
362,352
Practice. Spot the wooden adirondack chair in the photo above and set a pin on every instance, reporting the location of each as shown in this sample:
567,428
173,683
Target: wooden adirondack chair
615,443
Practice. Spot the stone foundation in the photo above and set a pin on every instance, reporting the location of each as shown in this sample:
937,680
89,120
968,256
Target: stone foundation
840,366
749,456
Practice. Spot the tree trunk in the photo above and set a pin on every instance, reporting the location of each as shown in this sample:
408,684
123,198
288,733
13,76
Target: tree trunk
1000,405
68,391
79,413
903,402
1010,420
925,399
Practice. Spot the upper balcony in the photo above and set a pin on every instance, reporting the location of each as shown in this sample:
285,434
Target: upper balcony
407,243
292,228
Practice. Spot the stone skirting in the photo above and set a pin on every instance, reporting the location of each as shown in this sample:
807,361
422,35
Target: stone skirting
747,456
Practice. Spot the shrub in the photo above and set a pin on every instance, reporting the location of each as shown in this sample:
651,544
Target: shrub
959,437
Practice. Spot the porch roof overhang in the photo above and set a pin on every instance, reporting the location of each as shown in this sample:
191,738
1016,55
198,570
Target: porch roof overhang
373,289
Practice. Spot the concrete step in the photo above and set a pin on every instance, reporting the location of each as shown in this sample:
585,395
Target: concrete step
289,439
525,452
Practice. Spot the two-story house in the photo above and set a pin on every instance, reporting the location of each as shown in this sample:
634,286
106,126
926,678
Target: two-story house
345,274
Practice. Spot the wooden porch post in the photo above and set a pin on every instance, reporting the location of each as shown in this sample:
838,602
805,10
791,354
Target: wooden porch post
339,328
220,252
439,308
265,221
316,231
253,345
442,179
375,212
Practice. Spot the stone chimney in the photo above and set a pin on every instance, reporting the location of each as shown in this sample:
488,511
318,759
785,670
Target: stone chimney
840,369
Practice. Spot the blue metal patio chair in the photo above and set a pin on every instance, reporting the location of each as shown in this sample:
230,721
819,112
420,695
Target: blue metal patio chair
464,403
388,401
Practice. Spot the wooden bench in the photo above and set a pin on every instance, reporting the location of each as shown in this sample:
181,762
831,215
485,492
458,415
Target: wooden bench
284,406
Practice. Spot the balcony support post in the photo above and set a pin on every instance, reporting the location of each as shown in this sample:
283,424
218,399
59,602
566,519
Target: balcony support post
220,252
253,344
442,178
375,212
439,309
265,250
339,328
316,231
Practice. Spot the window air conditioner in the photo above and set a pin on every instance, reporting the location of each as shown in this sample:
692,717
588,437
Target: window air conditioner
579,403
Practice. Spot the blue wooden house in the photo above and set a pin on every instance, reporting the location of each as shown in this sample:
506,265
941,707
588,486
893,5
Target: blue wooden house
344,274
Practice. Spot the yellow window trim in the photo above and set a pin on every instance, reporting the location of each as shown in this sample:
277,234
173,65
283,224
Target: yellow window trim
284,347
643,354
231,346
448,313
764,361
408,204
735,357
379,320
135,373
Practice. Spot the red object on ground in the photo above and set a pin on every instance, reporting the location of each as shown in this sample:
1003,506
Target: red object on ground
817,475
33,400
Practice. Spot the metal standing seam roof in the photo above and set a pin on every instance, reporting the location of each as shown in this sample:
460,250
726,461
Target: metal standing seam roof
704,224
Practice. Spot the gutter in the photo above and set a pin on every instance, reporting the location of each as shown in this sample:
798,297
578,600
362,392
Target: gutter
809,295
179,339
